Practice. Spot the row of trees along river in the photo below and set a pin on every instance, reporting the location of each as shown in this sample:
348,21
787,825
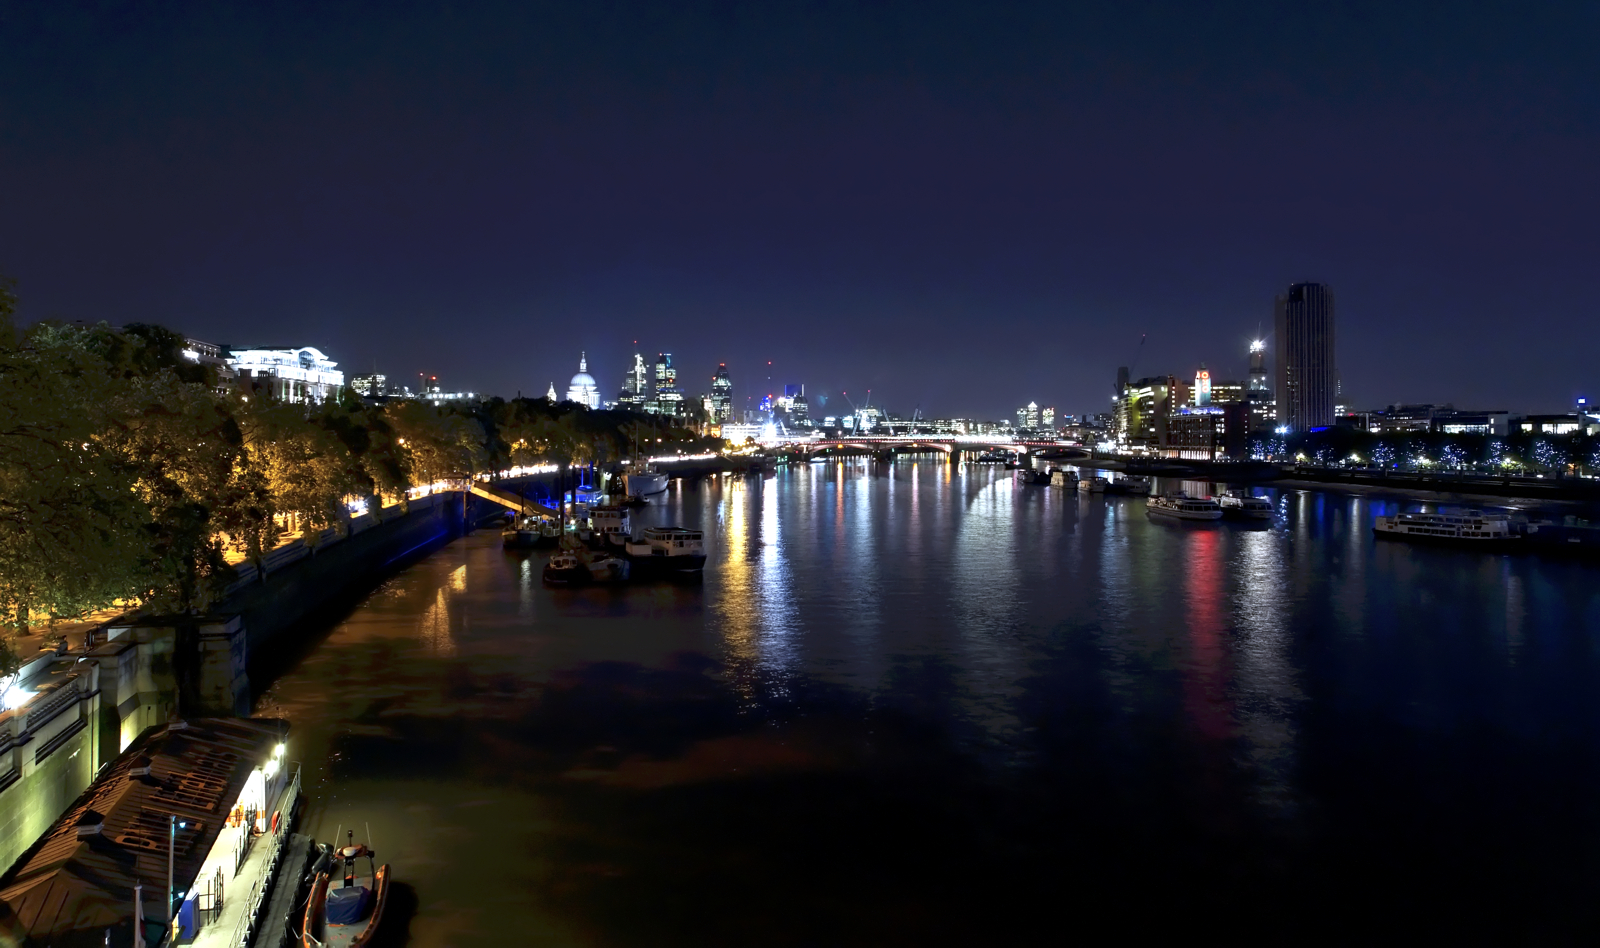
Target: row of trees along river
126,473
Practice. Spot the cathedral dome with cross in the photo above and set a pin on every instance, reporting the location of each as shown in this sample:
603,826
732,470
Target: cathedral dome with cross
582,389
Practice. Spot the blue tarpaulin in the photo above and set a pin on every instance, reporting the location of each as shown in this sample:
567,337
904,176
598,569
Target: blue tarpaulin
346,906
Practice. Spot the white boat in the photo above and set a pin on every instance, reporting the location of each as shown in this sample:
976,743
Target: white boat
1237,503
1184,507
666,551
611,526
1473,528
644,483
1063,479
1093,485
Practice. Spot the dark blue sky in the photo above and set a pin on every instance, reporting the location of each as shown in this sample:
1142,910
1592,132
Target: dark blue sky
962,206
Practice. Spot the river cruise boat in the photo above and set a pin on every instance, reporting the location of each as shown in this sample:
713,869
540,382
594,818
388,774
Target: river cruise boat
1239,505
666,551
1181,506
1093,485
1472,528
1064,479
565,569
346,915
611,526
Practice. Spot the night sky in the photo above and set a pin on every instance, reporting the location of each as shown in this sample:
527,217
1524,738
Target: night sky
959,206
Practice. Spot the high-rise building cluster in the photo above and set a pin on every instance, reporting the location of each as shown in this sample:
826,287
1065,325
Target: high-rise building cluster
1207,417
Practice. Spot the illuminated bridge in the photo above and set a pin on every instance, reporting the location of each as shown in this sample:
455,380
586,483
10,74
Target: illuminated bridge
946,444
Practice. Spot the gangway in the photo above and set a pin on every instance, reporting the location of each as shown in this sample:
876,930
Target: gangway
521,505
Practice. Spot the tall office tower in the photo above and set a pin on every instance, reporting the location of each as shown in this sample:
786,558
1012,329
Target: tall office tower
635,384
1258,366
1307,376
721,395
669,398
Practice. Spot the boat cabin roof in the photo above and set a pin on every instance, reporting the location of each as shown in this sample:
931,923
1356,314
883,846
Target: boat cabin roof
671,533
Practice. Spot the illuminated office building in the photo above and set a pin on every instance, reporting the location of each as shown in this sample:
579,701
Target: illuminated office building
1307,382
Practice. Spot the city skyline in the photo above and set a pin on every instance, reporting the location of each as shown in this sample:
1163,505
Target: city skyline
851,193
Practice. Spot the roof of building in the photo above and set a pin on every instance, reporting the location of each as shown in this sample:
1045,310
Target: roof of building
78,880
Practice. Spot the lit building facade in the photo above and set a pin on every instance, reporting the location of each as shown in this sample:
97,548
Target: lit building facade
636,385
372,386
668,398
1308,378
298,376
721,394
582,389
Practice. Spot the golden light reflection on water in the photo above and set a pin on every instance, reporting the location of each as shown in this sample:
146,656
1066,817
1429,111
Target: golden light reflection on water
434,626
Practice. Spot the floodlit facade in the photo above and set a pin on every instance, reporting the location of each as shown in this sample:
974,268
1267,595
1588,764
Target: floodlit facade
582,389
636,385
301,376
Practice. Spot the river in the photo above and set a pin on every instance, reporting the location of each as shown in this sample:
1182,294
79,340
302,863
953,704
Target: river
920,703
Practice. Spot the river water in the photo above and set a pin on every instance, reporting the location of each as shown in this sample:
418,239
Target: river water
920,703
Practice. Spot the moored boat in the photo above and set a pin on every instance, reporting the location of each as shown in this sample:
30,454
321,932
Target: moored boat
347,915
1064,479
1131,485
644,482
1093,485
1181,506
1241,505
527,532
564,569
666,551
606,567
1471,529
611,526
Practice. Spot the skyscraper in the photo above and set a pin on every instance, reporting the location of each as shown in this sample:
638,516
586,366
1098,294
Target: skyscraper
1307,375
635,384
668,398
721,395
1258,366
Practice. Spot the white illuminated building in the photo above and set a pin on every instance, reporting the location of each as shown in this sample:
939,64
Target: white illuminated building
583,390
292,375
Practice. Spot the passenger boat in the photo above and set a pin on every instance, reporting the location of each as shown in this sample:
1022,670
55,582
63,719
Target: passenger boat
1472,528
666,551
347,916
1239,505
1063,479
1093,485
611,526
1036,477
564,569
1184,507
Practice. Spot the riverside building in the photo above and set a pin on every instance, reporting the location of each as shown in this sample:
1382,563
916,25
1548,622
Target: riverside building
299,376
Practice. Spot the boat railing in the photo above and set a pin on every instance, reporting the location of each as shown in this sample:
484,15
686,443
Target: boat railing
261,890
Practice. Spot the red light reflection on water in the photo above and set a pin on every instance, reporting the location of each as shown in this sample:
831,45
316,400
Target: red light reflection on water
1205,672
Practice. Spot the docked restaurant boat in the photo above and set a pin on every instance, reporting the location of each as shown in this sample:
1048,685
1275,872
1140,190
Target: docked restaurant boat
565,569
346,915
1472,529
666,551
1183,507
1240,505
